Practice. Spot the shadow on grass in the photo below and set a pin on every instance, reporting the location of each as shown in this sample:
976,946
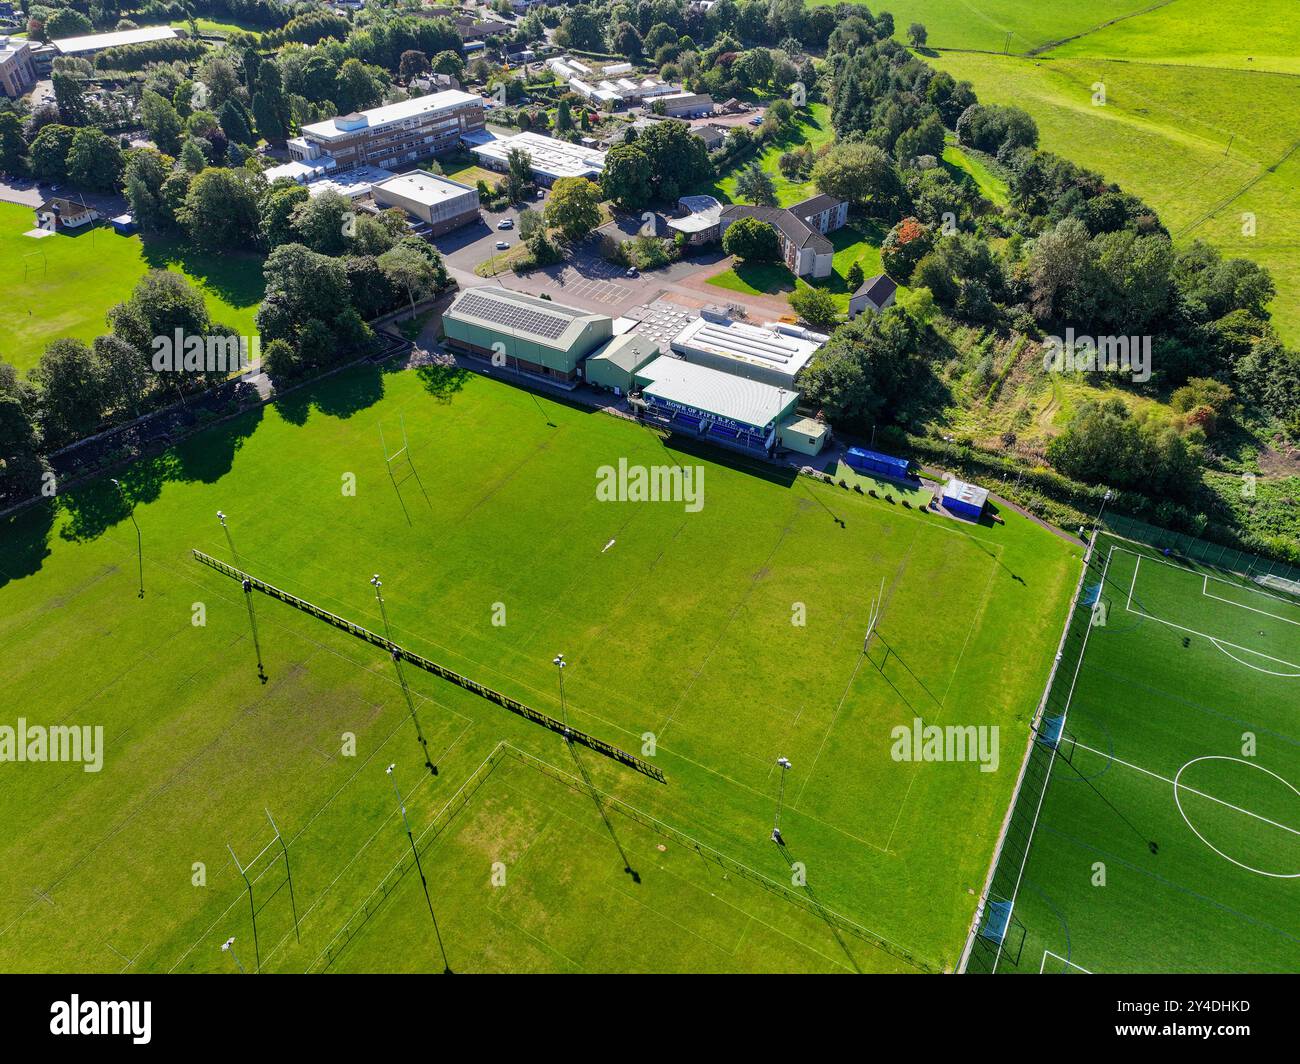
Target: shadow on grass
234,276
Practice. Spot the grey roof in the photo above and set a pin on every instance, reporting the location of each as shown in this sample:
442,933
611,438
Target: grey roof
815,205
724,394
877,289
554,324
628,352
794,229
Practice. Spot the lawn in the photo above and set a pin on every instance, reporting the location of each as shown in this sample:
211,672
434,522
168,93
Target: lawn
991,186
1207,151
1166,840
63,285
812,128
709,641
856,242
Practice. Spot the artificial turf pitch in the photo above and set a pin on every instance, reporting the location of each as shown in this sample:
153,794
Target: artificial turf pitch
1181,731
679,632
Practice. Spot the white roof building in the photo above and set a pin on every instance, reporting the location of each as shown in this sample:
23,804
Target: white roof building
551,158
771,354
343,127
97,42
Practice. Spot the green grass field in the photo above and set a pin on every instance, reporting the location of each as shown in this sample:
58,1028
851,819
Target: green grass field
679,632
813,128
1199,118
64,285
1180,732
856,242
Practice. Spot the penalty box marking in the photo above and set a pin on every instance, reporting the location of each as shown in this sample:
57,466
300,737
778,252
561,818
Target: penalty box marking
1215,640
1042,967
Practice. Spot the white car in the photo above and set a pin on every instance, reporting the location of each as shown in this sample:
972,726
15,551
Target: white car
506,223
502,245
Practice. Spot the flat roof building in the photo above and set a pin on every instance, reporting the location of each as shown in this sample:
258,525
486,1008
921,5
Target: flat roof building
965,500
93,43
441,203
768,354
551,159
524,332
394,134
709,404
17,71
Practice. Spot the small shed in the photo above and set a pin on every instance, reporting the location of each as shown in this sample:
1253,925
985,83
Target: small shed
124,224
613,365
804,435
965,500
876,293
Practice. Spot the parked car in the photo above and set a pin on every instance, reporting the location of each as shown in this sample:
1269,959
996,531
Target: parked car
631,272
757,120
502,245
506,223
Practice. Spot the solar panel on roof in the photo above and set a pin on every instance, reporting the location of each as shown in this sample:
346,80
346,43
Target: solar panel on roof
548,325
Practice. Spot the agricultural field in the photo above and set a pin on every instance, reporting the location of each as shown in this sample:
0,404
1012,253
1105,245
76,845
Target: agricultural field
1213,150
707,641
64,285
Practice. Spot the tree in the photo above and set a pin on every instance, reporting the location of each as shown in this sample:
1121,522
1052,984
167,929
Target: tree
94,160
815,305
70,390
412,64
917,35
582,28
123,371
358,87
70,99
324,223
302,287
519,173
864,175
751,240
679,161
626,177
67,22
234,122
864,369
573,207
12,145
49,153
410,271
904,246
161,122
530,221
855,277
756,185
221,208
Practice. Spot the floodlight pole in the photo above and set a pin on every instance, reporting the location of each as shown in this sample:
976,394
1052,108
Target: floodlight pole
1100,510
415,852
559,663
395,651
229,947
784,762
139,539
247,585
